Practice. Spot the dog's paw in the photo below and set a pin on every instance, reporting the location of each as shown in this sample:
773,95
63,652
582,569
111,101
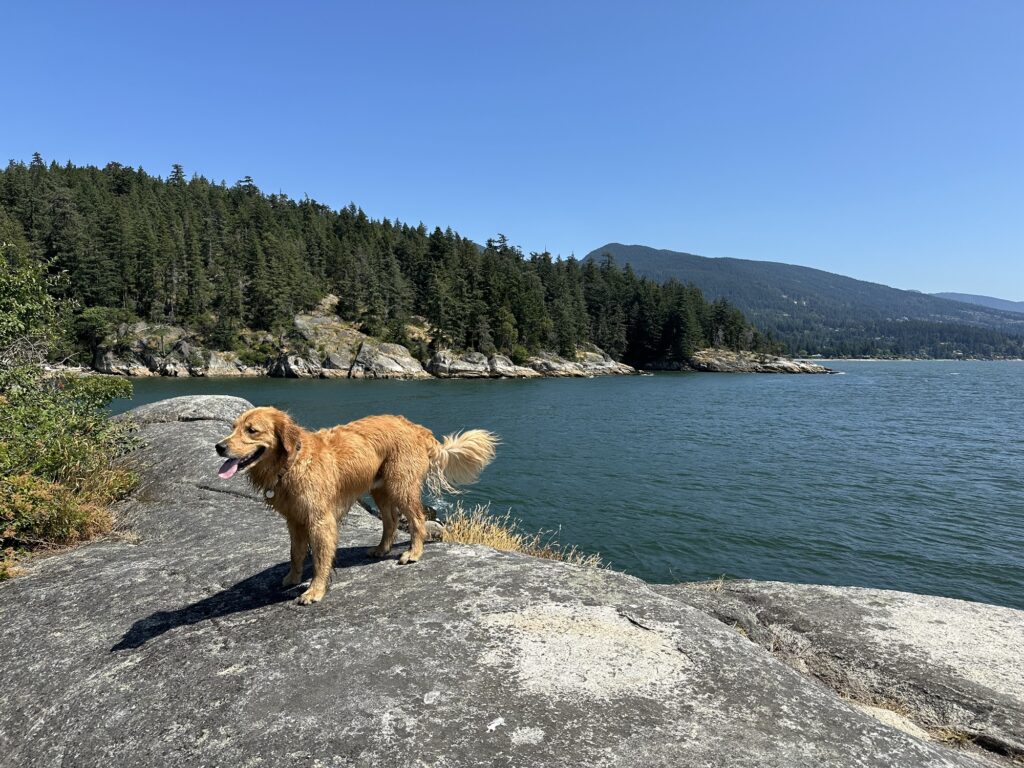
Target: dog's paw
310,596
407,557
378,551
291,580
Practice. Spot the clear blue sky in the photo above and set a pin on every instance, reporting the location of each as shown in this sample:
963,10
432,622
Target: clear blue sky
882,140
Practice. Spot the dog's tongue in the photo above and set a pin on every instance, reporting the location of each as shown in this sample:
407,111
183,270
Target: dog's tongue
228,468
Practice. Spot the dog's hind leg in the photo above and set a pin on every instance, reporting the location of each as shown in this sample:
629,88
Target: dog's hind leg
413,509
323,535
300,546
389,516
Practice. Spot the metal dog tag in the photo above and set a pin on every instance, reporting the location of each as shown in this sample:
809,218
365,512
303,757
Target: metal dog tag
269,494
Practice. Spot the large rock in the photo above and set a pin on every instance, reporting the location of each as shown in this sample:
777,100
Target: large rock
377,360
222,408
597,363
549,364
446,364
228,364
177,646
293,367
952,667
592,362
140,349
503,368
331,340
727,361
120,364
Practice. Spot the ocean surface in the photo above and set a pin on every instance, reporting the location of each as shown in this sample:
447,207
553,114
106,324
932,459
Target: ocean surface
901,475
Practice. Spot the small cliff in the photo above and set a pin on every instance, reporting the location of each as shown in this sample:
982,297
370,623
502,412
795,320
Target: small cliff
174,644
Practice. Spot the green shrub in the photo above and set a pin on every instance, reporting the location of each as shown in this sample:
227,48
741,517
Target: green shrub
58,449
519,355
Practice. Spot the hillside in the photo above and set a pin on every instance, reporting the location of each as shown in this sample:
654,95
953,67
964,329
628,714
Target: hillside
232,265
984,301
817,312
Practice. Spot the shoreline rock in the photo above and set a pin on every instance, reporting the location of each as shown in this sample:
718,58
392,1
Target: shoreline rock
727,361
949,667
181,647
325,346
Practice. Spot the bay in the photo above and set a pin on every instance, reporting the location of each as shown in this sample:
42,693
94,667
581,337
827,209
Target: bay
903,475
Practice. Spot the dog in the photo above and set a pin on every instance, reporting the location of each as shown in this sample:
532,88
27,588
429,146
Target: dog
312,478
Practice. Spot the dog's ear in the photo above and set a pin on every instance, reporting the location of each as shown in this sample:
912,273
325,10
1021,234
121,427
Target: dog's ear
289,436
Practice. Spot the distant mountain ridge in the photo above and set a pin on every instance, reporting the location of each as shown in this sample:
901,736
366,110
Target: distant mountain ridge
985,301
818,312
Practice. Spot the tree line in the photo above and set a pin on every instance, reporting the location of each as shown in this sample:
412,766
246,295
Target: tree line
219,259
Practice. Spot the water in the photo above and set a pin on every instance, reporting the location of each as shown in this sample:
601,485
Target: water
901,475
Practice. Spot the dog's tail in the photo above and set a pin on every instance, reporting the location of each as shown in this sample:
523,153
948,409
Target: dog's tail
459,459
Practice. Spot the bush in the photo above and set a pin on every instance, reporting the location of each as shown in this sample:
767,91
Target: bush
519,355
57,452
57,446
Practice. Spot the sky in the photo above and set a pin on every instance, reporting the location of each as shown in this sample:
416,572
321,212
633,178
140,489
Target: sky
880,139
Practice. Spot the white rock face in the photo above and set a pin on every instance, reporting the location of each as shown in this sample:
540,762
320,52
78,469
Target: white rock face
727,361
377,360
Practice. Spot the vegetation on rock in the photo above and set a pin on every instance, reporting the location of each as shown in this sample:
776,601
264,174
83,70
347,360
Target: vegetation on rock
502,532
57,476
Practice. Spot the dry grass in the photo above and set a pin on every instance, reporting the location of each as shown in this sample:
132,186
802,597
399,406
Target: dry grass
714,585
479,526
952,737
40,515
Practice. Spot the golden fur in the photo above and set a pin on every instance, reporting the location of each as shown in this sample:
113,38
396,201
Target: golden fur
312,478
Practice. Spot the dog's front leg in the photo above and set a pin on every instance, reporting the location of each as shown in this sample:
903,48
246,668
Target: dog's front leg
300,545
323,536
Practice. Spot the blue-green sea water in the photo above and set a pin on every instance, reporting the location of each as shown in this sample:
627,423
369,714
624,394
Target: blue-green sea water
901,475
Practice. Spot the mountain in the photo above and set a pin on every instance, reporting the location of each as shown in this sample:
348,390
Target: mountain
818,312
984,301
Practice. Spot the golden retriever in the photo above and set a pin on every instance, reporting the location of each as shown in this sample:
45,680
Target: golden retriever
312,478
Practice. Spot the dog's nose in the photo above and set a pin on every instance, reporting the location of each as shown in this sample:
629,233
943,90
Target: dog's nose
222,450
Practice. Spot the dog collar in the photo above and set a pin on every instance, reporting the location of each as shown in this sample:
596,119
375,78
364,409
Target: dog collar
269,492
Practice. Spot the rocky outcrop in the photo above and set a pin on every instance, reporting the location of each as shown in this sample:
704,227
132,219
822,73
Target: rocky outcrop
588,364
141,349
598,363
727,361
176,645
329,347
502,367
293,367
953,668
378,360
228,364
468,365
446,364
331,340
120,364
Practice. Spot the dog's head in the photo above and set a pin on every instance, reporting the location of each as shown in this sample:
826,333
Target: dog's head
258,433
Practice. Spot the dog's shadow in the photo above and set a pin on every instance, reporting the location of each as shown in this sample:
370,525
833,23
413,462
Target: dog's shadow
257,591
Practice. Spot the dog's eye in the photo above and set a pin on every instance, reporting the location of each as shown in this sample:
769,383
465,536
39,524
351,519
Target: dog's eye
251,429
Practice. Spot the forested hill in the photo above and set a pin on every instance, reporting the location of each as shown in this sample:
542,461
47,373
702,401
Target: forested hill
986,301
218,259
817,312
